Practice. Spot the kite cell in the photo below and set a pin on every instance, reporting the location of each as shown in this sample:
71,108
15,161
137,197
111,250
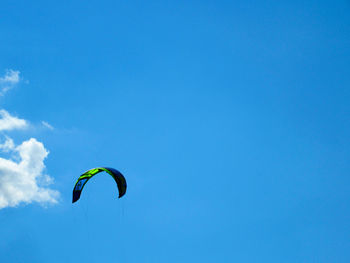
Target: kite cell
82,180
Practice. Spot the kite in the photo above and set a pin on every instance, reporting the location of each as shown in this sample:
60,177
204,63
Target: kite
82,180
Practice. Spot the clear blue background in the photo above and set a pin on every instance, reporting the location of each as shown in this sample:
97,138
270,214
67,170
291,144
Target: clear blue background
229,119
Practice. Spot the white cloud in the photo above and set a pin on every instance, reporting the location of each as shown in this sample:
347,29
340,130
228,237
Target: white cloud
22,177
9,80
8,122
24,181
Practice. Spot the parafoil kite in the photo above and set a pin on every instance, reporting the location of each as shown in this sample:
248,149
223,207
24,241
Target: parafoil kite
82,180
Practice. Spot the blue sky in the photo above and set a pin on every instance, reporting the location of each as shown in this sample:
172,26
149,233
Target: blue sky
229,120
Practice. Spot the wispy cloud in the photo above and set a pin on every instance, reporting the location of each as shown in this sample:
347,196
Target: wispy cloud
19,181
8,145
47,125
9,122
9,80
